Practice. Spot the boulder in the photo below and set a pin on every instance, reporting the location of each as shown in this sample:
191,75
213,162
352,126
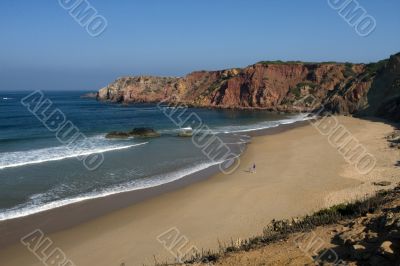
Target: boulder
386,250
136,132
117,135
185,135
144,132
392,219
186,132
351,237
359,252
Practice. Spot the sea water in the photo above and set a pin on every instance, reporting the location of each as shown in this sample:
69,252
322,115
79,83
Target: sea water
38,173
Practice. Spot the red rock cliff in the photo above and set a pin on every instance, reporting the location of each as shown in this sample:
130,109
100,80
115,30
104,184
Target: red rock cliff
341,87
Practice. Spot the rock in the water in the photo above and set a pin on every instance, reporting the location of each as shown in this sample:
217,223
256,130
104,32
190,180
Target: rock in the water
117,135
144,132
136,132
186,132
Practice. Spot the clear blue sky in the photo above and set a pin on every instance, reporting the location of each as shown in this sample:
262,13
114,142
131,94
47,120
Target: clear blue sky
42,47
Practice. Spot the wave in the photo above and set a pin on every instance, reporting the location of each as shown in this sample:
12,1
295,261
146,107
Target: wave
7,98
247,128
261,125
22,158
36,204
47,201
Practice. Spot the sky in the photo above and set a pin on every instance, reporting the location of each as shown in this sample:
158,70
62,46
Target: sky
42,46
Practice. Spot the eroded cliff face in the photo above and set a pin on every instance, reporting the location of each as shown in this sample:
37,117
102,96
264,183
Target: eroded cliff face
341,88
384,94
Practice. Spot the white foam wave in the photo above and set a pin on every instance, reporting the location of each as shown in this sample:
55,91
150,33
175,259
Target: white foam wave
38,202
21,158
261,125
35,205
247,128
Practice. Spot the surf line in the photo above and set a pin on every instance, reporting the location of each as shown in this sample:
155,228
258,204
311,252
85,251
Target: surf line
62,157
65,131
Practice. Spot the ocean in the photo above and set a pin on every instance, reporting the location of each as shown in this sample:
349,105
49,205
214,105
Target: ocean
38,173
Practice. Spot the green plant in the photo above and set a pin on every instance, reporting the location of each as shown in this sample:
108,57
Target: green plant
281,229
374,68
348,70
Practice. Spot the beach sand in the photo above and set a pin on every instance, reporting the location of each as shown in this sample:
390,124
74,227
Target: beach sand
298,172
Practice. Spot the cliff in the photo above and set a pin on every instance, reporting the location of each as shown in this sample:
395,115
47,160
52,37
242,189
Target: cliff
274,85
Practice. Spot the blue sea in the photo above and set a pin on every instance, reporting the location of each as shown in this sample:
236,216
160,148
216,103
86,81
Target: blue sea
38,173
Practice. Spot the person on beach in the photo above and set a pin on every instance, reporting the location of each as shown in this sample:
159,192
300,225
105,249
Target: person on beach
254,168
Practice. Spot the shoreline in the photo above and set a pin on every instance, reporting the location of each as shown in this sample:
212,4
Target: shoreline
296,171
69,215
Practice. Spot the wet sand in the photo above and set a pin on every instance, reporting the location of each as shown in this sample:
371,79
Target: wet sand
298,172
73,214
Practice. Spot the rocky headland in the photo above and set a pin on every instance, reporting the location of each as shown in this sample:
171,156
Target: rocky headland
344,88
361,233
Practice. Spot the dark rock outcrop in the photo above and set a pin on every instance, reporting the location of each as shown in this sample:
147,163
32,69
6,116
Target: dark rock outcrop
390,109
117,135
136,132
370,89
144,132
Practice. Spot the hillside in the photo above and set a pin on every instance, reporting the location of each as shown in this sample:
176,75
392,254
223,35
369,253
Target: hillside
274,85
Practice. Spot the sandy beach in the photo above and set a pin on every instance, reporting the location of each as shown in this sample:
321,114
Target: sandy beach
298,172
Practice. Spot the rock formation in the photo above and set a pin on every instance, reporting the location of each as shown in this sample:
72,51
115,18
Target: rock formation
136,132
340,87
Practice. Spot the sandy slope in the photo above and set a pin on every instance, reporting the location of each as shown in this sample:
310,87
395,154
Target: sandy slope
298,171
329,244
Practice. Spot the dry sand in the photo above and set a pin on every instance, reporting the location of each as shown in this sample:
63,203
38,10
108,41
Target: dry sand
298,172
